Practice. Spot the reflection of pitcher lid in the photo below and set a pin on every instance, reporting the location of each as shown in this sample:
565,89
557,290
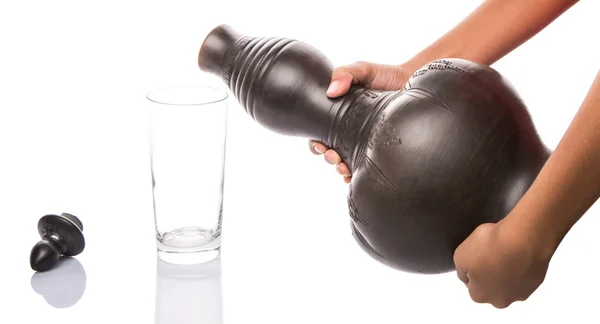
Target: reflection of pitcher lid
62,286
209,269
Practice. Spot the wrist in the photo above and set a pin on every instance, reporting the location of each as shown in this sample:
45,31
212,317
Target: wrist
411,66
540,230
528,236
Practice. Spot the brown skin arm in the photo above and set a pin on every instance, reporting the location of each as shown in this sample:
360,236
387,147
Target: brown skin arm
569,183
492,30
567,186
506,262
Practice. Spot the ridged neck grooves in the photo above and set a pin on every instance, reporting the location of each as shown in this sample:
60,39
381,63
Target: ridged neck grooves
230,56
248,61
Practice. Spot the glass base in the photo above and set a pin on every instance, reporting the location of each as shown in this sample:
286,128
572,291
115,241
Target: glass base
189,246
188,258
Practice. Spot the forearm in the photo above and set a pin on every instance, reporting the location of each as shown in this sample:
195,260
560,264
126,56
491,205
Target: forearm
569,183
493,30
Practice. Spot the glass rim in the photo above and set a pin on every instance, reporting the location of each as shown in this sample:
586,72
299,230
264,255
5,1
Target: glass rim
224,95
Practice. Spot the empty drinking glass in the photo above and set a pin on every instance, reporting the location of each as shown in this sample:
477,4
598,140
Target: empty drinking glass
188,134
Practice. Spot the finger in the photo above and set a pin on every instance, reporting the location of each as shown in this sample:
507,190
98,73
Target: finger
463,275
343,77
316,147
467,250
477,294
332,157
347,179
362,72
342,169
461,263
501,304
340,83
461,258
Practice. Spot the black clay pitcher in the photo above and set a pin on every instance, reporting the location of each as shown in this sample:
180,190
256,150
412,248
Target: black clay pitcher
454,149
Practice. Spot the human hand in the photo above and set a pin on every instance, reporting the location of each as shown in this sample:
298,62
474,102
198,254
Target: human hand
500,264
369,75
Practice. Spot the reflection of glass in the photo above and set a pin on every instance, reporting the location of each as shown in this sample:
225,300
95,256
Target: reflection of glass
188,126
188,293
63,285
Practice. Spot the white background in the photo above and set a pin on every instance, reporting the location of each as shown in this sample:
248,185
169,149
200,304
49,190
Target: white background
73,78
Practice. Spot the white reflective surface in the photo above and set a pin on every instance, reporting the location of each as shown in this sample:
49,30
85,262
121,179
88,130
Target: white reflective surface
73,79
189,293
62,286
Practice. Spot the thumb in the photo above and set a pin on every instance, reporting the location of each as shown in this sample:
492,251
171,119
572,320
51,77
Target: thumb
343,77
341,81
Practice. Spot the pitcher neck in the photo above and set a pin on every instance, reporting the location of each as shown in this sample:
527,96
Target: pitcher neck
351,120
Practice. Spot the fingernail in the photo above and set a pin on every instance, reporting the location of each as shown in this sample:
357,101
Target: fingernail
343,174
327,159
333,87
316,148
